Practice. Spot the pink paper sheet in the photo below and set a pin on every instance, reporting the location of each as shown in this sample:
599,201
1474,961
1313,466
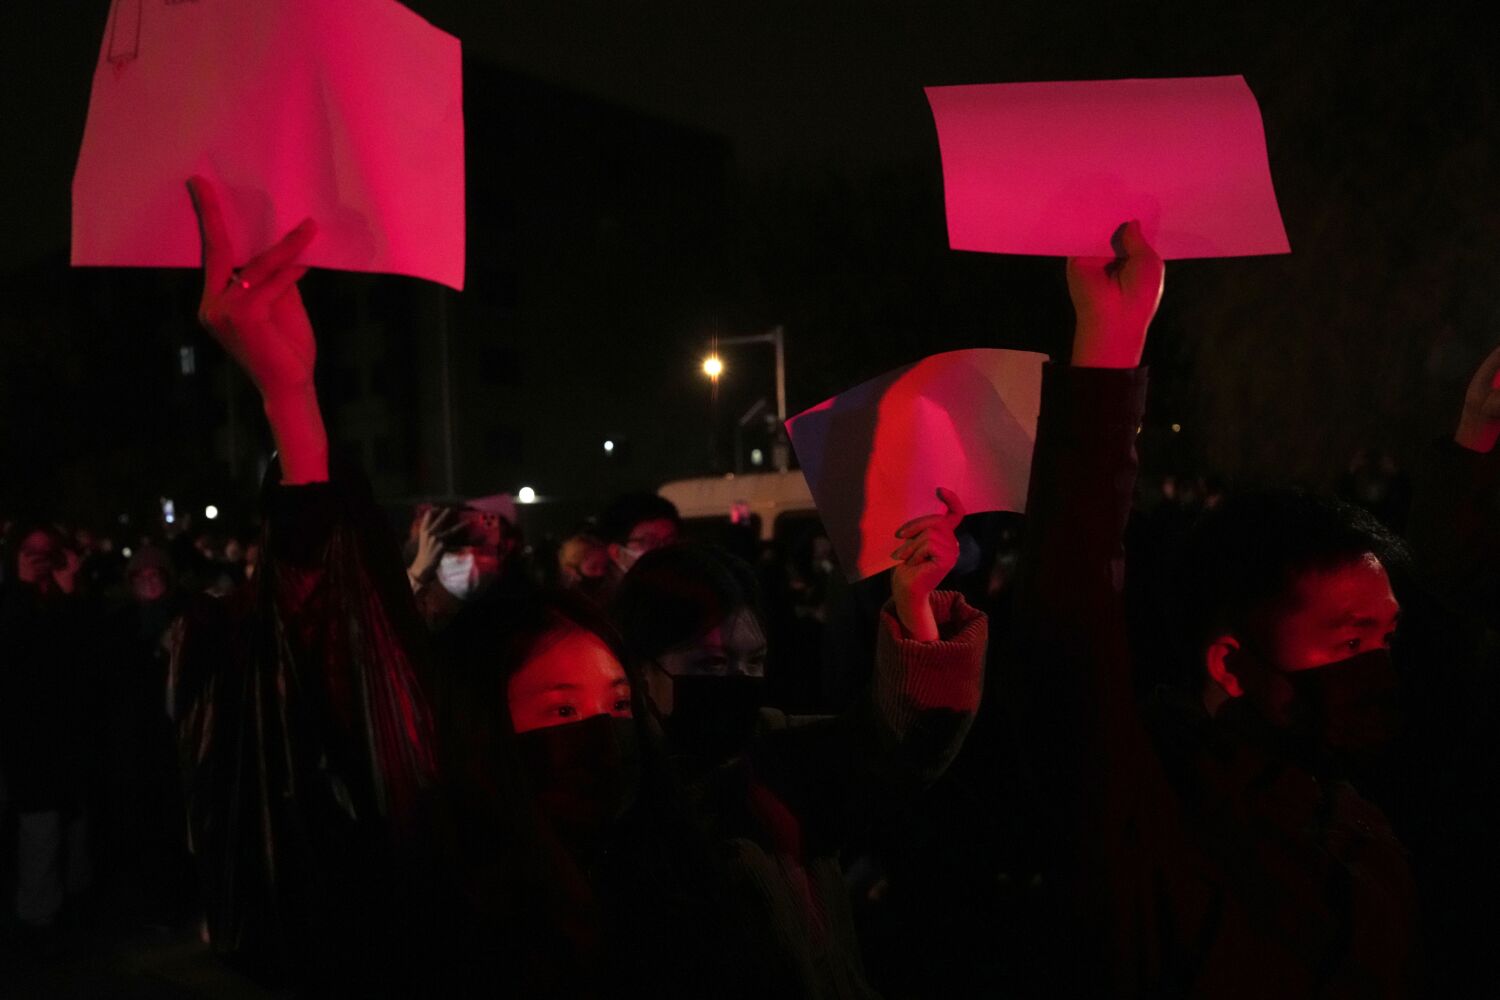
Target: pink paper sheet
1053,168
874,456
349,111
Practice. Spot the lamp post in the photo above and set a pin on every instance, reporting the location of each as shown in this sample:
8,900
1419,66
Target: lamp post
713,367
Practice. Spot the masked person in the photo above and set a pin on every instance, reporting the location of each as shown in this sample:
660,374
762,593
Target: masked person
782,795
632,525
457,552
567,858
1213,846
348,843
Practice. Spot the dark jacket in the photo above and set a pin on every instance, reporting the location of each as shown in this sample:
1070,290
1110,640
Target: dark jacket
784,810
1193,858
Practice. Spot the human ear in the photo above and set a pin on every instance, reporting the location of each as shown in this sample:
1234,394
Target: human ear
1216,661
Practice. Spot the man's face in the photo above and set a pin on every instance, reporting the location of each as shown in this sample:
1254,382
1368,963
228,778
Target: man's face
1334,615
1329,617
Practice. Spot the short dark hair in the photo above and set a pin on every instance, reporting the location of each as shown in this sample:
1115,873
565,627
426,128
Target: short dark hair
625,512
1239,562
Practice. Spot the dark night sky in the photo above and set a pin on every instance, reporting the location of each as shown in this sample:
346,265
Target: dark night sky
1382,125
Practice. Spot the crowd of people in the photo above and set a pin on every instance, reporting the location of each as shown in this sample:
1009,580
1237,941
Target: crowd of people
1225,743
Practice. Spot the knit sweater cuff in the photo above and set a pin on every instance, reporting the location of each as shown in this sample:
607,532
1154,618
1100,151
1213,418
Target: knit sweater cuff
947,673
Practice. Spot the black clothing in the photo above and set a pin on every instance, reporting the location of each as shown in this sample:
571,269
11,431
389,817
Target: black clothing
1197,857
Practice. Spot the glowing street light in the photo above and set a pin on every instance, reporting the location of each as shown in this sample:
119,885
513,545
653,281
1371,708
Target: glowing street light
210,512
712,366
526,495
609,447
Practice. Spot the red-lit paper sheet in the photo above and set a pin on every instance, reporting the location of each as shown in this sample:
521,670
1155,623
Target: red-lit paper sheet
875,455
1053,168
349,111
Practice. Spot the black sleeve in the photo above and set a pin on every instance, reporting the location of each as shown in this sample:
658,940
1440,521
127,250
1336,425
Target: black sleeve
304,736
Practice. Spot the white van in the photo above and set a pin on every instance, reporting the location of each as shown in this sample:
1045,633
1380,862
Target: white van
765,497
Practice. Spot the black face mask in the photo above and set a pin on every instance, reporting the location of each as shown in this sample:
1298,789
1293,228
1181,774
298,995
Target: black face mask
1348,707
583,775
713,718
1353,705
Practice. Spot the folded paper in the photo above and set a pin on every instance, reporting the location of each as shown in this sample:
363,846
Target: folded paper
1054,168
349,111
875,455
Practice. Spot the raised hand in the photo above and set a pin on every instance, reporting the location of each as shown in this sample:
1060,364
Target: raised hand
1115,299
438,525
928,553
1479,425
256,314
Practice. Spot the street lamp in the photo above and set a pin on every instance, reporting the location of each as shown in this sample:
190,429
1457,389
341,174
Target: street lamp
776,337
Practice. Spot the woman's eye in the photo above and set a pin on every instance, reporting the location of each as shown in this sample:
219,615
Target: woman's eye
565,711
623,706
1352,645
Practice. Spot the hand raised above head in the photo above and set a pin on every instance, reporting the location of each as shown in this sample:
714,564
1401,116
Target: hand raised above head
255,311
1115,299
256,314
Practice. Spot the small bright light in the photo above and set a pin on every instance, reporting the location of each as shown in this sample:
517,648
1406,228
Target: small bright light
125,552
1176,428
609,446
170,518
712,366
757,456
210,512
526,495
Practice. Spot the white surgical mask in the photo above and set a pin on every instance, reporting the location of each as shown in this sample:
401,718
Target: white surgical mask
457,574
626,558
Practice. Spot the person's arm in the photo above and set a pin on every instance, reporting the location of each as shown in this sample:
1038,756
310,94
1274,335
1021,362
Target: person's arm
1065,674
304,733
256,314
1454,527
837,775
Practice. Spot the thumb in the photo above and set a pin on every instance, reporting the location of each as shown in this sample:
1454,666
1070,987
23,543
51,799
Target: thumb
955,507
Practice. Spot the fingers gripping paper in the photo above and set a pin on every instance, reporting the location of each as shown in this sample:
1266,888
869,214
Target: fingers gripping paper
1054,168
349,111
874,456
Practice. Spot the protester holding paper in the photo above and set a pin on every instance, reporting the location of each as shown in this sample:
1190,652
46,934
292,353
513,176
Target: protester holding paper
1225,855
783,795
554,857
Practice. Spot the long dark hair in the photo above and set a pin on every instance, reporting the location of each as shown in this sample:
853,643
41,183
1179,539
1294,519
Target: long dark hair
512,866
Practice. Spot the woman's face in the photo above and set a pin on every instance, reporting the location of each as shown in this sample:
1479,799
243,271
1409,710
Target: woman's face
736,647
570,677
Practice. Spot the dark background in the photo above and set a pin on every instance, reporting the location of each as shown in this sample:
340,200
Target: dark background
646,176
